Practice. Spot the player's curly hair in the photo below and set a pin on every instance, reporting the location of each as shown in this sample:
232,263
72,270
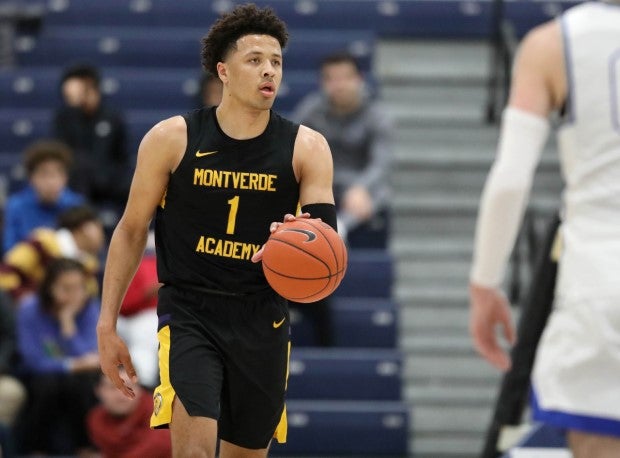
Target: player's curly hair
243,20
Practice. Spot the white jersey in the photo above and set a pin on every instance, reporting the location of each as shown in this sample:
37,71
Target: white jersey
590,153
577,366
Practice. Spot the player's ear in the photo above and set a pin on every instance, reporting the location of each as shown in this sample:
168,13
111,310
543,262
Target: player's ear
222,71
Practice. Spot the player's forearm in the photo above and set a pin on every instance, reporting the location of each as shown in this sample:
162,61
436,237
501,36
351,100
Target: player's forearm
124,254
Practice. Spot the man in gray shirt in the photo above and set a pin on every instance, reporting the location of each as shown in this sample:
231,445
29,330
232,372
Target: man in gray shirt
359,132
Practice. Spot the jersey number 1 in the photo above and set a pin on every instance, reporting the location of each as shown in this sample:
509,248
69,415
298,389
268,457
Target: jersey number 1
232,214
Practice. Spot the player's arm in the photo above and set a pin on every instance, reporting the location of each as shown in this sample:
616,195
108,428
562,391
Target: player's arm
314,169
159,154
535,92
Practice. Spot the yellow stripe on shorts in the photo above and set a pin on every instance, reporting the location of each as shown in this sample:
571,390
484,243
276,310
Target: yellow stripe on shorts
164,394
282,428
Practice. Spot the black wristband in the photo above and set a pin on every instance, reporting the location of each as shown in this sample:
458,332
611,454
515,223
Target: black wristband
327,213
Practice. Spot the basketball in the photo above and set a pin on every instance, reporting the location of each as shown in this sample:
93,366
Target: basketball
304,260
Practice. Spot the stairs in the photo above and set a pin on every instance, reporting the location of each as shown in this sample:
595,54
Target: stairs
437,93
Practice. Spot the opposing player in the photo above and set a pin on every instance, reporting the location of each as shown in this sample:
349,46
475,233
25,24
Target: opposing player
571,65
219,179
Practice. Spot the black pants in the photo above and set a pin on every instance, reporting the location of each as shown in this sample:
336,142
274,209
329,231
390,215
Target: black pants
55,418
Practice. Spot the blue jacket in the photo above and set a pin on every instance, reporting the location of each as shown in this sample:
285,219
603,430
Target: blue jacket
24,212
40,344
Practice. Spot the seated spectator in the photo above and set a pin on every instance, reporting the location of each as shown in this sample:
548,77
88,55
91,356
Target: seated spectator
12,392
79,236
137,321
47,164
57,343
120,426
97,136
359,133
210,92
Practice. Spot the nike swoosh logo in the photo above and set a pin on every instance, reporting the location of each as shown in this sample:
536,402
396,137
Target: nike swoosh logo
311,235
279,323
206,153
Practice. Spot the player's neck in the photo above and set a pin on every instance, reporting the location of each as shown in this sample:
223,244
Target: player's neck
241,123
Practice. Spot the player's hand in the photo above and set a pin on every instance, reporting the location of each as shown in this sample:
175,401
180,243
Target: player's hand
258,256
113,353
489,309
358,201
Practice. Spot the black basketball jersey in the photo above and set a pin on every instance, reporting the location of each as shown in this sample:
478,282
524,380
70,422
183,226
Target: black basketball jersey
220,202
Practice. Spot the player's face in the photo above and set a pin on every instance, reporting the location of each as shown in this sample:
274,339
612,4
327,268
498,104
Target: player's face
253,71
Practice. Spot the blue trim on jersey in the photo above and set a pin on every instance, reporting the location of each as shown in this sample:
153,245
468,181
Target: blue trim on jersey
568,62
597,425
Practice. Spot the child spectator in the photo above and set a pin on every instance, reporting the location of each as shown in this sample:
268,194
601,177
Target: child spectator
119,426
47,164
57,343
80,236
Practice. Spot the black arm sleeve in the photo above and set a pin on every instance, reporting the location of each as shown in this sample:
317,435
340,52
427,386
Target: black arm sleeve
327,213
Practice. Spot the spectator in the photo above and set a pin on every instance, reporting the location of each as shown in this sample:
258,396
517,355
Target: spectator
360,133
57,343
119,425
47,163
210,93
137,323
97,135
80,236
12,392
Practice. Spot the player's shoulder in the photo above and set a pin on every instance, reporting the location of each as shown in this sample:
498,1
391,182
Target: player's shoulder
308,138
547,35
168,135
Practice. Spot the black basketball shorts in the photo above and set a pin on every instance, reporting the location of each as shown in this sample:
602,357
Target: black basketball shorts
226,358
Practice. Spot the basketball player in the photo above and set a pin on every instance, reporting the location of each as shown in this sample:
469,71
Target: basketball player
219,178
572,65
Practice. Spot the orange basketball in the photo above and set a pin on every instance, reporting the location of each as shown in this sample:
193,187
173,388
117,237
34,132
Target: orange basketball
304,260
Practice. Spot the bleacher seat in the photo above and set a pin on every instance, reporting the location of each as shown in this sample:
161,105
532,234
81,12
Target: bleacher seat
345,427
364,322
170,46
19,127
355,322
370,273
344,374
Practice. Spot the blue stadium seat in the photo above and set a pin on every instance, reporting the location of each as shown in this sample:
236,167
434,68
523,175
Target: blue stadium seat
30,88
346,428
344,374
355,322
363,322
170,47
19,127
445,19
12,174
370,273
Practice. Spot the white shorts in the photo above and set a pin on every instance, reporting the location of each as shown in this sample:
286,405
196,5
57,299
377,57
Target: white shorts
576,375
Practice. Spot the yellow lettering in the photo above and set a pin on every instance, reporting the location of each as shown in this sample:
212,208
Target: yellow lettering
201,245
236,180
218,249
199,176
271,186
254,181
209,245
